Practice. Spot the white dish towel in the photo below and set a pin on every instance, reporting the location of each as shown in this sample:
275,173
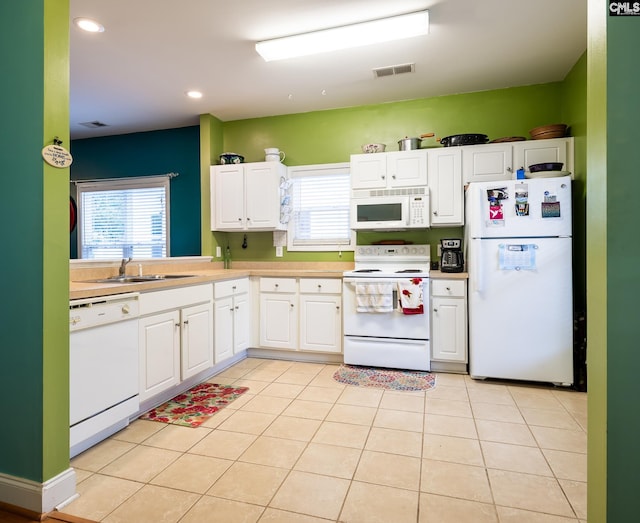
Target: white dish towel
410,296
374,297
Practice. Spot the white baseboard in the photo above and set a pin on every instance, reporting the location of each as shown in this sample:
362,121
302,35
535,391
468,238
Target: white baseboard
38,497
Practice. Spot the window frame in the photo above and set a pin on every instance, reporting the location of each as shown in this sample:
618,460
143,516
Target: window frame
326,169
127,183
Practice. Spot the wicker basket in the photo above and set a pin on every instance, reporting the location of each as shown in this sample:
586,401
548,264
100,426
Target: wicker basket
548,131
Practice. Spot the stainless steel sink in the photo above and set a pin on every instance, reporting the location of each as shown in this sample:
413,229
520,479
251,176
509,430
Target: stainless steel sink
141,279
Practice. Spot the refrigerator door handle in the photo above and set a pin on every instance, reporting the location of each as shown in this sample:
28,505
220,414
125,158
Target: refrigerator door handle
477,283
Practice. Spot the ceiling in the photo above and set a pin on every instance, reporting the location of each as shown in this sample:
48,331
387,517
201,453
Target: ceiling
133,76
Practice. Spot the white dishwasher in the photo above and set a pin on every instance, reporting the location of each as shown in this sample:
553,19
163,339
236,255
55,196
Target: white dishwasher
103,367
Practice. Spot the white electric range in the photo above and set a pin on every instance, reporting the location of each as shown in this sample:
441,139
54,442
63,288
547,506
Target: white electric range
386,307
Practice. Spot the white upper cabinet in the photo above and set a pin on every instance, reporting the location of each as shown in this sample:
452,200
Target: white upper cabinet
531,152
389,170
445,187
489,162
247,196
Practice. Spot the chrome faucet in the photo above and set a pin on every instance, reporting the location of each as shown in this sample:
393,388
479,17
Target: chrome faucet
123,266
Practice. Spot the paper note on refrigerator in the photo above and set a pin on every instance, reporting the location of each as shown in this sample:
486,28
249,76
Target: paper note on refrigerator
517,257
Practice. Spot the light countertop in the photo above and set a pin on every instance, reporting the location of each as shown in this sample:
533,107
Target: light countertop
81,285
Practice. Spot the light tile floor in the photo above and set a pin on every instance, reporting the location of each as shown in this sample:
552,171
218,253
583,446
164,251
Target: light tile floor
299,447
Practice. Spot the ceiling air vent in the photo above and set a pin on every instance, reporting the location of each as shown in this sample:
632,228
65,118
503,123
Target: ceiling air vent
94,125
393,70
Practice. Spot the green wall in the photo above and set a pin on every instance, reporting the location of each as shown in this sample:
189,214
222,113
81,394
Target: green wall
332,136
35,215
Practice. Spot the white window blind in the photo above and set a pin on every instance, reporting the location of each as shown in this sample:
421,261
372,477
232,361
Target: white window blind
123,218
320,204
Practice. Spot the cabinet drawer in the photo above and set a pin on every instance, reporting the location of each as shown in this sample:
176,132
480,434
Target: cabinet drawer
157,301
448,288
277,285
229,288
321,285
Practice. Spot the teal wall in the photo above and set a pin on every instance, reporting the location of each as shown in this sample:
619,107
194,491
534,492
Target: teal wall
34,211
150,153
623,257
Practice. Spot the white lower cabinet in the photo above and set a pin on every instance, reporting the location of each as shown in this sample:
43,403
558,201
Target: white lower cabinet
175,337
304,314
278,313
321,314
449,320
231,318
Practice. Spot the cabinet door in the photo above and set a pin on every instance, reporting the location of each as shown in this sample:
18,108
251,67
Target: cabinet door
320,323
449,329
241,322
369,171
197,339
262,186
487,163
445,186
228,189
223,332
407,168
531,152
159,341
278,320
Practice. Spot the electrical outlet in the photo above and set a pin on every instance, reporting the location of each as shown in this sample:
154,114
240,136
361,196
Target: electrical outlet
279,251
439,251
218,252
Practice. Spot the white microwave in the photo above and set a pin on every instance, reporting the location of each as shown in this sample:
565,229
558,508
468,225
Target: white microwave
384,213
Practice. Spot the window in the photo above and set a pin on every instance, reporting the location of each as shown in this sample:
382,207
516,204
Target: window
123,218
320,197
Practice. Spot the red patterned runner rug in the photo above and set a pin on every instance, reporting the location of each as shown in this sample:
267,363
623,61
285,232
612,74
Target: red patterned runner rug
389,379
195,406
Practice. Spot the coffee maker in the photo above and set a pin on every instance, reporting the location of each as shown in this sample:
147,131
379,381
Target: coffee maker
451,259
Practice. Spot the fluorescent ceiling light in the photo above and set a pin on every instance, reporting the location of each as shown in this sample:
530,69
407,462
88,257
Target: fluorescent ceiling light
86,24
194,94
344,37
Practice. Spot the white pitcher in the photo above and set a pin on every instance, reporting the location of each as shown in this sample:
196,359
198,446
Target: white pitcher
273,154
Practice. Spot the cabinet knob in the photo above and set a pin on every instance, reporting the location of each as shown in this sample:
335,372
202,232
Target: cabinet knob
319,286
276,285
435,310
233,288
509,169
435,213
178,325
125,309
185,322
448,289
383,177
337,307
291,305
237,307
393,176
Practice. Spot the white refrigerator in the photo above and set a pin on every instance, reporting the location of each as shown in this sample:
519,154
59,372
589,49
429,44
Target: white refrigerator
519,260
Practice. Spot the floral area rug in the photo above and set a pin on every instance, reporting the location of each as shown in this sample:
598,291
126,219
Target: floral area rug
390,379
195,406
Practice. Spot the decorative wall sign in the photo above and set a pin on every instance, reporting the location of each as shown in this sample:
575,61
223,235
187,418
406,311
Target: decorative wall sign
57,156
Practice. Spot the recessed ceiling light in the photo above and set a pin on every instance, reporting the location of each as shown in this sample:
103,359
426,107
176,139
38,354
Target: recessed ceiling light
194,94
86,24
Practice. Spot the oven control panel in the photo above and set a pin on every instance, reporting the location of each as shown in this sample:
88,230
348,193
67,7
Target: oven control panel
375,252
